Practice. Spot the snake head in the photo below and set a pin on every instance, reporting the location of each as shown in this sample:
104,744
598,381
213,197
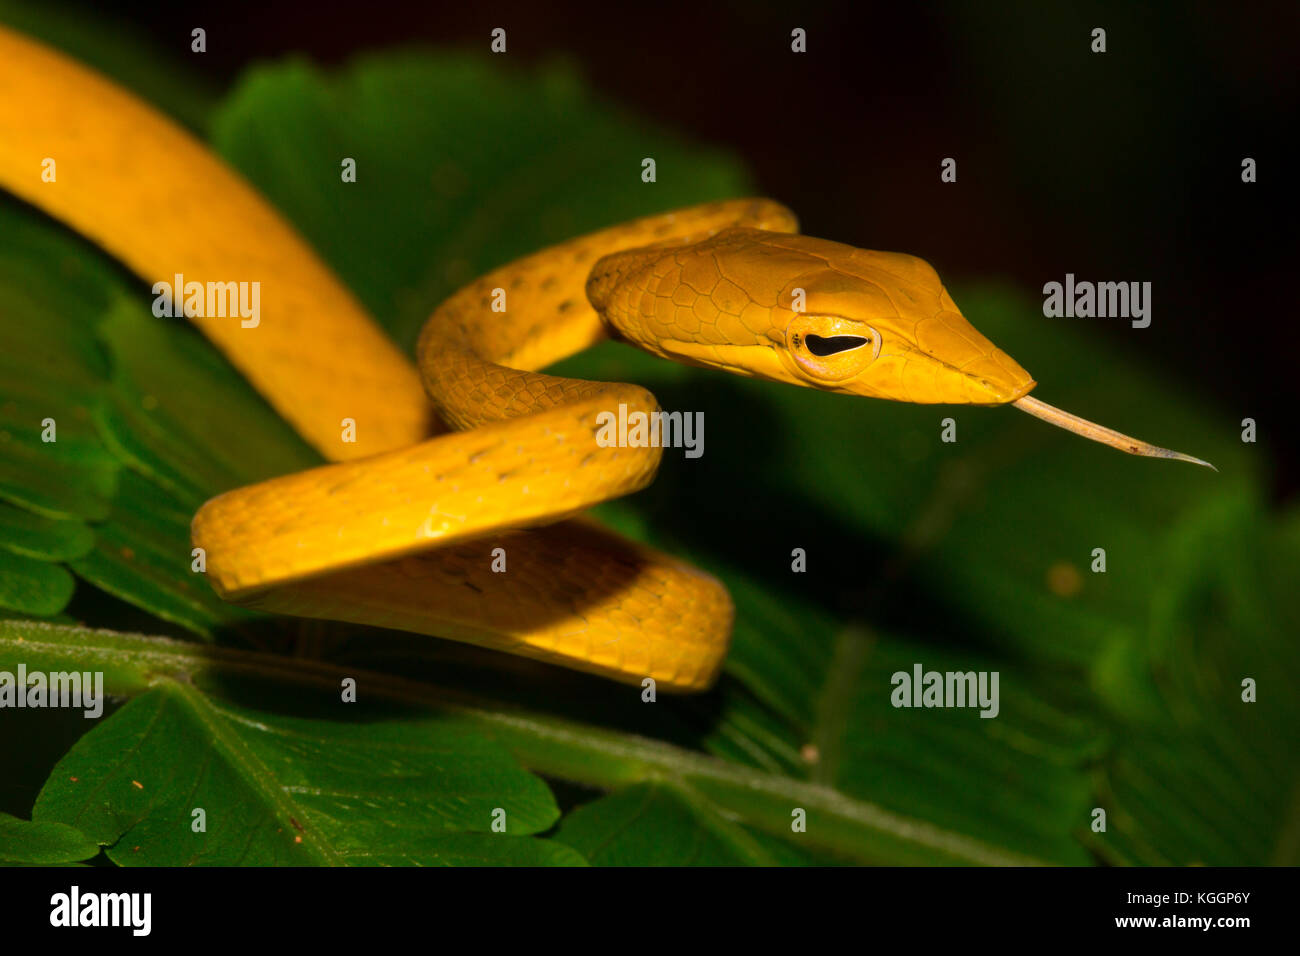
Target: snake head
808,312
790,308
881,324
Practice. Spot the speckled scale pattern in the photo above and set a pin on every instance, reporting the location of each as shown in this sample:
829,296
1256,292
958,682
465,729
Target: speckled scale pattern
347,541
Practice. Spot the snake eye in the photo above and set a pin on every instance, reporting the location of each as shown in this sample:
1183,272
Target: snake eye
833,344
828,349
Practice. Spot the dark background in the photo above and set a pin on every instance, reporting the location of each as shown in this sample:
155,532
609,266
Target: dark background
1122,166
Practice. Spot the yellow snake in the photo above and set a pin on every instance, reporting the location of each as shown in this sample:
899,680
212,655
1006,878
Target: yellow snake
402,530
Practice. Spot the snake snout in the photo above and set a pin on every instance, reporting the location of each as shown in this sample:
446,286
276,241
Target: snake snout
972,370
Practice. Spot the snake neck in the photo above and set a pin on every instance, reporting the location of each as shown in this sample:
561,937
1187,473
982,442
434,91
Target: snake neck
480,350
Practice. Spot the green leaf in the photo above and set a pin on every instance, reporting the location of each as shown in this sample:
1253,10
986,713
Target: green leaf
46,539
1017,780
657,825
180,414
1210,778
143,555
58,482
584,753
22,841
278,790
476,849
51,288
30,586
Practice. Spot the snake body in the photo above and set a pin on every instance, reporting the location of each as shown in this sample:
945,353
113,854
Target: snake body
401,530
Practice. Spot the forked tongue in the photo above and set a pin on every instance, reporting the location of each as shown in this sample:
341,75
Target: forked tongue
1099,433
